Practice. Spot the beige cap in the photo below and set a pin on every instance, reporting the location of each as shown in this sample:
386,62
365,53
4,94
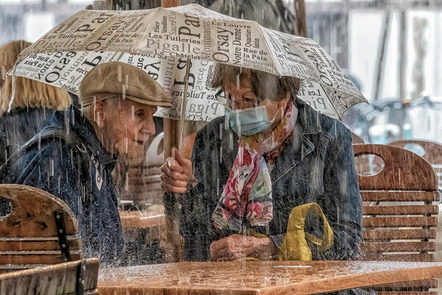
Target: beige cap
121,78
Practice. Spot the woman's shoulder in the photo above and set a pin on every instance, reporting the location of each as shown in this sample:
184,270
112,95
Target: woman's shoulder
210,136
313,121
213,129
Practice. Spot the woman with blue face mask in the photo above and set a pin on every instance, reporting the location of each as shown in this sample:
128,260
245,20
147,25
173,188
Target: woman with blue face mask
269,154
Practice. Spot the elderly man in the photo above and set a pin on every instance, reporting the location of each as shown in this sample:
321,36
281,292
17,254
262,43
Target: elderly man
74,157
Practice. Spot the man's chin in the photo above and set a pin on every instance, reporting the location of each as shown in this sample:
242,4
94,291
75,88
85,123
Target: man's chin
134,155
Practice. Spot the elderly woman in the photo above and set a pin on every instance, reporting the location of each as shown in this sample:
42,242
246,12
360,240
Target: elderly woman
269,154
33,106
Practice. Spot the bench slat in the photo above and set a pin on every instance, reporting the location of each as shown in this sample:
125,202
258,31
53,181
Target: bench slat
56,279
398,246
398,234
401,210
43,257
407,293
402,196
399,221
427,257
36,245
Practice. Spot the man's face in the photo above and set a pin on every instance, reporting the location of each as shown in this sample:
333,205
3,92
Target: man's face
127,126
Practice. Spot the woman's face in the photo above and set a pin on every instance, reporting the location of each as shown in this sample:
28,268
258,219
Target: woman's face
243,97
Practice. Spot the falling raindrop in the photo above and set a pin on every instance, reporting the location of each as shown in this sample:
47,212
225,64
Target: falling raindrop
132,113
51,171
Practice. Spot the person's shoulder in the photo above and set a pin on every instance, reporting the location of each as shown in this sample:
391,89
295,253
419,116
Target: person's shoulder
49,143
210,136
213,129
315,122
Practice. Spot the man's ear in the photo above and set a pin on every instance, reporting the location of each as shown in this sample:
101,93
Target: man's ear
98,113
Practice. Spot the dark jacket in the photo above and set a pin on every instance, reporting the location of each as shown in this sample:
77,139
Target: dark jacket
20,125
316,165
80,175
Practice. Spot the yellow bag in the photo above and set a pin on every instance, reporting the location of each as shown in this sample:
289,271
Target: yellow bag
294,244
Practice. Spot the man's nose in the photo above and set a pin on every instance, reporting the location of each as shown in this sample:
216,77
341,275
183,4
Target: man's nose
148,126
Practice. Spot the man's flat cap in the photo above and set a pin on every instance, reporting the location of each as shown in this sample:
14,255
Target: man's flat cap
121,78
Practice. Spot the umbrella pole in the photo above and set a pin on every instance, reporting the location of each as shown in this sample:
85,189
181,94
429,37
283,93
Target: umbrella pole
183,106
301,18
172,139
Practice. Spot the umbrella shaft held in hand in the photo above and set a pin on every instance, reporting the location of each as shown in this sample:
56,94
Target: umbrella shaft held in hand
183,106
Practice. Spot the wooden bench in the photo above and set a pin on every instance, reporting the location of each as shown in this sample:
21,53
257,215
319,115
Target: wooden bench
78,277
432,153
41,229
400,220
356,139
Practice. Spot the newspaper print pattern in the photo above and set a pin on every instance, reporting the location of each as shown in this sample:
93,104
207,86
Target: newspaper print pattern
160,40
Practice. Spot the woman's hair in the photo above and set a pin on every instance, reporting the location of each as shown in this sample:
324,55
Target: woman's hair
28,93
264,85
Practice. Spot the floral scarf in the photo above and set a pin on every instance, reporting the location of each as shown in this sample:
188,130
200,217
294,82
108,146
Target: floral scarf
248,191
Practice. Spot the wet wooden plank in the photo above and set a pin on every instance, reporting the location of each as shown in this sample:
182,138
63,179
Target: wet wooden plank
403,170
35,257
33,213
259,277
398,246
372,256
402,177
400,196
433,150
399,221
152,217
18,267
36,244
45,280
410,285
407,293
398,234
356,139
401,210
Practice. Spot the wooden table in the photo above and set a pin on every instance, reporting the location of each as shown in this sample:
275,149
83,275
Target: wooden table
259,277
139,220
152,217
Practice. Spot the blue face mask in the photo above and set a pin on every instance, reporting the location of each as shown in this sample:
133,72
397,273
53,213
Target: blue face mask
249,121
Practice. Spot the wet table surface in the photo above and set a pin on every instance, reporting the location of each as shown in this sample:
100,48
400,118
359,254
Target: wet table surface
259,277
152,217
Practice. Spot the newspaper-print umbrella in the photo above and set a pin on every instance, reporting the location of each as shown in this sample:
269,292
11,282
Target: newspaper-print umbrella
181,44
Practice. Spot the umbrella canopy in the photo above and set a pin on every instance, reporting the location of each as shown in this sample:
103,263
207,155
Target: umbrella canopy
161,40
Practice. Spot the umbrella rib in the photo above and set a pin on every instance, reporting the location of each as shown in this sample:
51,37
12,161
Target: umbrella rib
260,28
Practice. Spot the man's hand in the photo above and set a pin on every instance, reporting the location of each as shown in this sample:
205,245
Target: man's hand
176,173
238,246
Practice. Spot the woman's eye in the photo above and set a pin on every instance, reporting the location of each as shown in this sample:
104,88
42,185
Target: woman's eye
250,98
251,101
